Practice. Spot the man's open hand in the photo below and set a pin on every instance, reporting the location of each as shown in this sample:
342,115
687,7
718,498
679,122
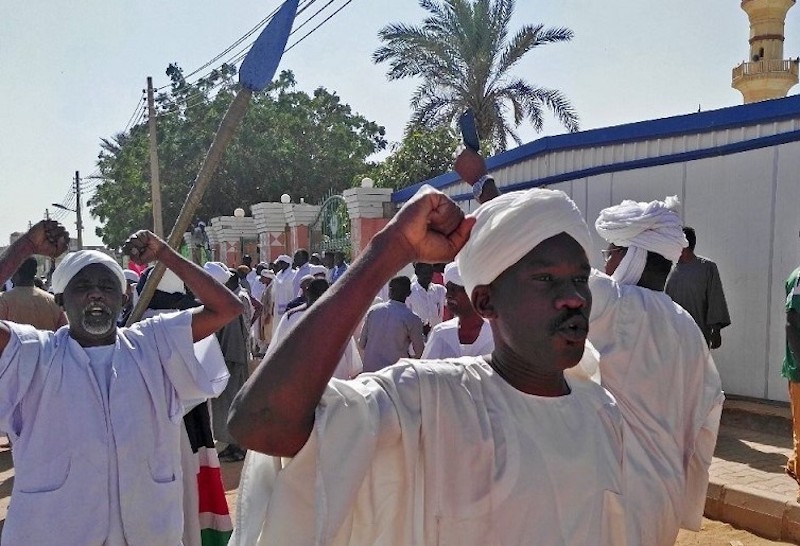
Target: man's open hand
143,247
431,228
48,238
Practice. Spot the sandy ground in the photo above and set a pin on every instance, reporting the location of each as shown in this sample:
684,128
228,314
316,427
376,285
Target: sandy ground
713,533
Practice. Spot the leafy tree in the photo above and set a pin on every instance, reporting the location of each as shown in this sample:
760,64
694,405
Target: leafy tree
423,154
464,55
289,142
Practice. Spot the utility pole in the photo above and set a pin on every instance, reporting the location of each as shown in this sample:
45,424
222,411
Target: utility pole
46,214
155,183
79,223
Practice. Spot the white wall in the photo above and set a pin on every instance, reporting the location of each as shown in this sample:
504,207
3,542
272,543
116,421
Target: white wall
745,210
737,173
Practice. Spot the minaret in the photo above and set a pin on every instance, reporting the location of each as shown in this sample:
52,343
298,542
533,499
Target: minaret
767,75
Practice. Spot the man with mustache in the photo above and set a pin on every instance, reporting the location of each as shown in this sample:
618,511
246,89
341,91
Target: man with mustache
94,410
507,448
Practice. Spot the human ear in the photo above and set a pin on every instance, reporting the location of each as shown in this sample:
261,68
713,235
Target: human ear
482,301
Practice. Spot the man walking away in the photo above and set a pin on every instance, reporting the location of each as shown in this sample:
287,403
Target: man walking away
694,284
390,328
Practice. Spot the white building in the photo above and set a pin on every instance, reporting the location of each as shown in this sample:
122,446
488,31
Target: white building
737,173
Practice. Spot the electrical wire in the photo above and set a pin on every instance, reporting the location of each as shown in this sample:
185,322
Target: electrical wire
139,110
331,16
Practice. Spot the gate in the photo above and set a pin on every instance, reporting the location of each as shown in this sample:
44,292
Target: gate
331,230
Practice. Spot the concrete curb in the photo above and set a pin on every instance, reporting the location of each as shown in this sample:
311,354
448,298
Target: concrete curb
770,516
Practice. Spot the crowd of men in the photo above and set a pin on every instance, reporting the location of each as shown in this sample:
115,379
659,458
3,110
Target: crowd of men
523,398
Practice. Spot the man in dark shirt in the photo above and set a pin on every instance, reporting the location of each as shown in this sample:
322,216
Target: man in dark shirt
694,284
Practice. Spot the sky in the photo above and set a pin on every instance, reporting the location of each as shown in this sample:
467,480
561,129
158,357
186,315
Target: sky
73,72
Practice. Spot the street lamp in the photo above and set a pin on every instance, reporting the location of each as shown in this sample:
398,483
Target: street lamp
78,223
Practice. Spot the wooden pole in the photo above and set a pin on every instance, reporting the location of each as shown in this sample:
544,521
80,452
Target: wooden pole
155,182
79,222
225,133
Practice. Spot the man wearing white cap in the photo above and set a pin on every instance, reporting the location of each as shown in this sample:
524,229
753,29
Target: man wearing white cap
284,283
467,333
94,410
501,449
264,324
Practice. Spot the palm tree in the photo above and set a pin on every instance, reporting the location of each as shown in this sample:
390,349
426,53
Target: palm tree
464,56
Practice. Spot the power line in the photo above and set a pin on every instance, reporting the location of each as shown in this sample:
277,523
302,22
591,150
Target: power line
331,16
140,111
303,6
139,108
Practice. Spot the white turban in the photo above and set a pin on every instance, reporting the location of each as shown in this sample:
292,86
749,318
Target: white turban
218,271
642,227
284,258
74,262
267,274
510,226
452,274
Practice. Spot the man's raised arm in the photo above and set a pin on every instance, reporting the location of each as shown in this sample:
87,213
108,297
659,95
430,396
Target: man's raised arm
48,238
274,411
220,305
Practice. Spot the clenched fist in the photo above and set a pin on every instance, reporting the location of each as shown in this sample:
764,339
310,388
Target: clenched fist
48,238
144,247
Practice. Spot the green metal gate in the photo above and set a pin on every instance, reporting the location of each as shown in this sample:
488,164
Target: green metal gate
331,229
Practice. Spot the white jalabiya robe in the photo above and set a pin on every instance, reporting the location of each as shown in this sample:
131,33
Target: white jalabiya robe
435,452
448,453
443,342
654,360
350,365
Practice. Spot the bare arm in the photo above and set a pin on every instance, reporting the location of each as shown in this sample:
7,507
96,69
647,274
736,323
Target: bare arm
48,238
220,305
274,411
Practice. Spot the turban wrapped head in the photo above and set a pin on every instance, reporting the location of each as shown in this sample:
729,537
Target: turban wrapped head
641,228
452,274
510,226
218,271
74,262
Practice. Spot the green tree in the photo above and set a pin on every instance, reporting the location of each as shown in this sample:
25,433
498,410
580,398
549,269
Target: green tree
289,142
464,55
423,154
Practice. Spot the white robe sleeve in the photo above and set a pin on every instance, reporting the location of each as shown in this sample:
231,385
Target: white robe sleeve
192,378
654,360
19,362
436,347
357,469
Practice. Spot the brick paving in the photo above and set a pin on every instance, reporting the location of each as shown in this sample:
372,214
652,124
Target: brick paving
755,459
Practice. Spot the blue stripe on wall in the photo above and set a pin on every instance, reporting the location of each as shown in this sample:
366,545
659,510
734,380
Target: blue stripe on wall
690,124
